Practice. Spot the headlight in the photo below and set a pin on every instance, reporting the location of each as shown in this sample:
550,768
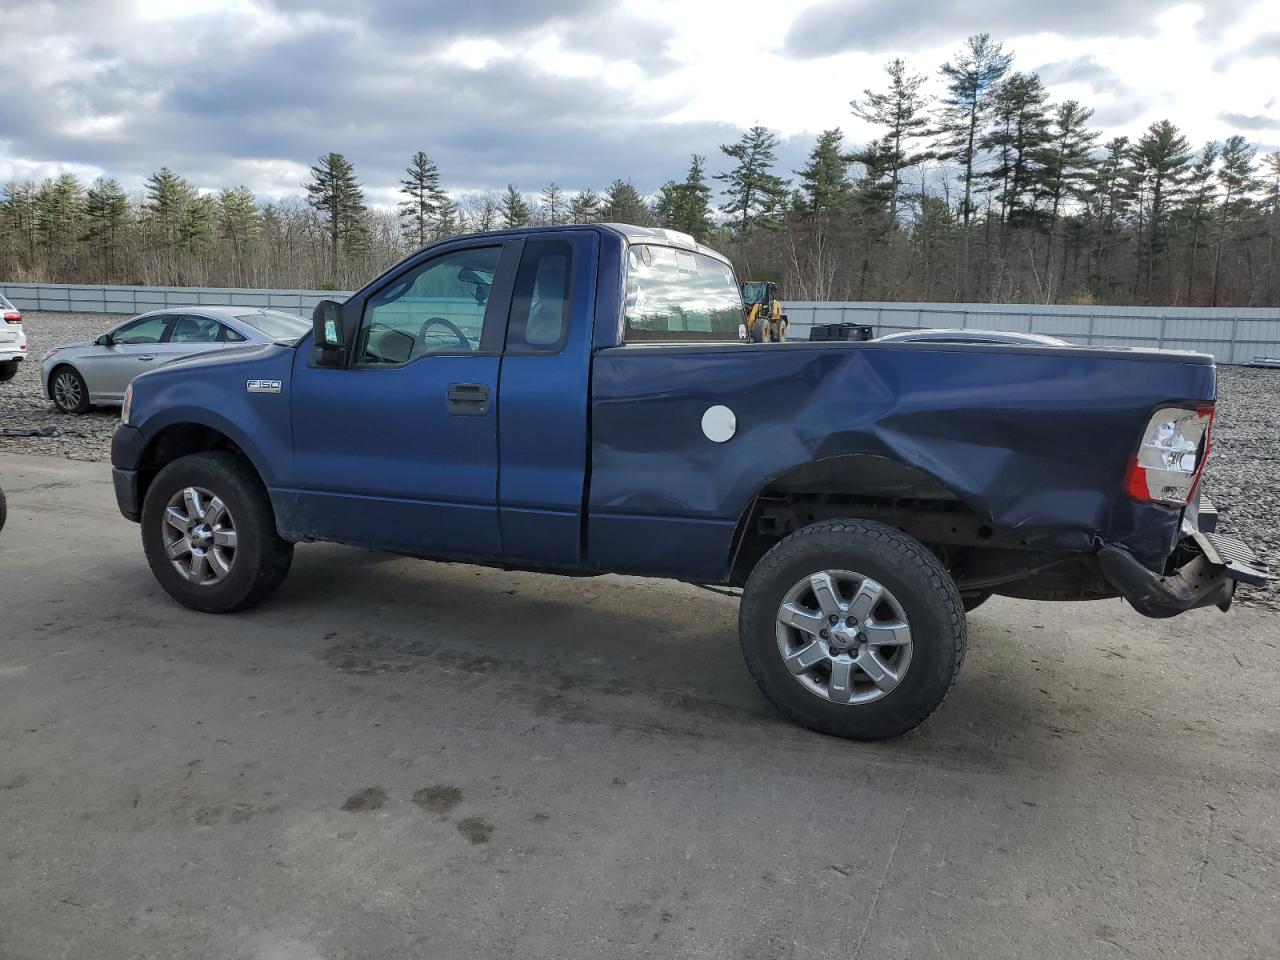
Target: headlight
128,403
48,354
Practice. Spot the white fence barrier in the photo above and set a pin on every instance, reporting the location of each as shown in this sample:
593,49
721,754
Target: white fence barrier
1231,334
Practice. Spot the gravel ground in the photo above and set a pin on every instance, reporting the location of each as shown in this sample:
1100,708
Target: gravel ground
1242,480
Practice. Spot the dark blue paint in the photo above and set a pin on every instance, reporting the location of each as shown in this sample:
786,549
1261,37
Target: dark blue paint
594,458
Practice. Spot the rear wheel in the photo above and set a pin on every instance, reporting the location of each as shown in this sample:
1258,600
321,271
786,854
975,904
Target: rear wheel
8,370
69,391
852,628
210,535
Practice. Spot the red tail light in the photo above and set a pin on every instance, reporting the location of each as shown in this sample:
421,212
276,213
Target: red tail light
1170,459
12,316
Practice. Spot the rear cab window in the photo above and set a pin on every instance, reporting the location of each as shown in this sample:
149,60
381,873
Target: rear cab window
676,295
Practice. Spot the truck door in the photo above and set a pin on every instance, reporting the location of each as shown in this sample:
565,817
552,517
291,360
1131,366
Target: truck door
546,385
399,448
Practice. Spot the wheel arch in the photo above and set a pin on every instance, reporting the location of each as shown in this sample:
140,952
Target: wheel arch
183,437
850,485
53,371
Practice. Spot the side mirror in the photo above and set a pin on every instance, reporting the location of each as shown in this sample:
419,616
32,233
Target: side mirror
103,341
326,325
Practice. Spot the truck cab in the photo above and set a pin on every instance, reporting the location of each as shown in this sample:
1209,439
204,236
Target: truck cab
575,400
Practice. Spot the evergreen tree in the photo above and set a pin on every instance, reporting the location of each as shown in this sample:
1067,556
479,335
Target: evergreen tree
1064,164
555,207
238,224
1020,133
1109,193
1236,179
168,196
514,208
901,110
60,209
686,206
622,203
755,195
106,217
450,220
19,222
1160,159
1200,188
423,199
584,207
335,194
486,217
824,181
971,82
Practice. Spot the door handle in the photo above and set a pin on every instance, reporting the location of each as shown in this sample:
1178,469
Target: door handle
468,399
147,357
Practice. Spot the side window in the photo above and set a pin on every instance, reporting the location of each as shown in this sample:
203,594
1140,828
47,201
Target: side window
146,330
540,301
233,336
437,308
193,329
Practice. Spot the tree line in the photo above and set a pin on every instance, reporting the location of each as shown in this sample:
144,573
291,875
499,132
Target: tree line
987,192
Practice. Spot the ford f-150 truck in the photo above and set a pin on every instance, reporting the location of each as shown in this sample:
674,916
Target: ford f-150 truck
575,400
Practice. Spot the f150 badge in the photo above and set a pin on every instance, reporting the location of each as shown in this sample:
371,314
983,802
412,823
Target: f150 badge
262,386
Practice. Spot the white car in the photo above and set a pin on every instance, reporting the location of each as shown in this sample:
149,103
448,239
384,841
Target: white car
13,340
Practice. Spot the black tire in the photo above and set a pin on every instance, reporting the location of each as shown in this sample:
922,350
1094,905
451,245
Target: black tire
4,510
262,557
972,601
8,370
908,570
83,393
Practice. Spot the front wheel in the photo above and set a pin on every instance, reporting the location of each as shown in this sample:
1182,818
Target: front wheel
69,391
852,628
209,533
8,370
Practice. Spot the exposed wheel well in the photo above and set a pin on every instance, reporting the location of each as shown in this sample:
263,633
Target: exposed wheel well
176,441
980,554
53,372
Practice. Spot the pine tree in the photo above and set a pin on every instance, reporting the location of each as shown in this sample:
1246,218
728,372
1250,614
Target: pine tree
19,221
686,206
1064,164
486,216
335,194
450,220
168,196
584,207
755,195
1021,130
972,81
622,203
1200,187
1235,177
60,208
106,217
555,208
1160,159
824,181
424,199
238,225
1109,193
514,208
900,109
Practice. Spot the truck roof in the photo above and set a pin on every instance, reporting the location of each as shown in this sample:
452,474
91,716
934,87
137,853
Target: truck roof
628,231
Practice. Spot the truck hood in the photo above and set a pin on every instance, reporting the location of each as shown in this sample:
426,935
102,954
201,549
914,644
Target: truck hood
220,358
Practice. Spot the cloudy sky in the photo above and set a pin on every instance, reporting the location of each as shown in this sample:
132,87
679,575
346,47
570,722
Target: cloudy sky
580,91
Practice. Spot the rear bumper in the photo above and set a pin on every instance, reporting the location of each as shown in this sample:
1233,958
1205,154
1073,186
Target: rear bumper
1208,577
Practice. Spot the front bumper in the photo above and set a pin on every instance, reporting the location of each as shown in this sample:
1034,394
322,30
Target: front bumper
127,444
1213,565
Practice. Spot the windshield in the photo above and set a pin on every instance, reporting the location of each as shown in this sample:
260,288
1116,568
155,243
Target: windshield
276,325
677,294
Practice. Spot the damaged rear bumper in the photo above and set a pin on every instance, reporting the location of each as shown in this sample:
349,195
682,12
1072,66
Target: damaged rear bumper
1208,578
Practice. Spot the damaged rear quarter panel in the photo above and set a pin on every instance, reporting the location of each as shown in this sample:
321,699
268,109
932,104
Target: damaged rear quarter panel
1028,438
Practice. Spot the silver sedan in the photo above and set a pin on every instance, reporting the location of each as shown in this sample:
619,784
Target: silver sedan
76,376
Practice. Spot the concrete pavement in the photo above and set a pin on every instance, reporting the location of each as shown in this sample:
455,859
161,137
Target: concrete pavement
394,758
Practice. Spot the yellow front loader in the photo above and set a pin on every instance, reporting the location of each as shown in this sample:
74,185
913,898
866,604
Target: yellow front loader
765,322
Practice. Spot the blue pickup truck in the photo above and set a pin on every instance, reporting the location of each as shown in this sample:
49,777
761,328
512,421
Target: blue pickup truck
576,400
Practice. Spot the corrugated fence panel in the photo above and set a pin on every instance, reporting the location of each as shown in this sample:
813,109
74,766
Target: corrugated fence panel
1231,334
